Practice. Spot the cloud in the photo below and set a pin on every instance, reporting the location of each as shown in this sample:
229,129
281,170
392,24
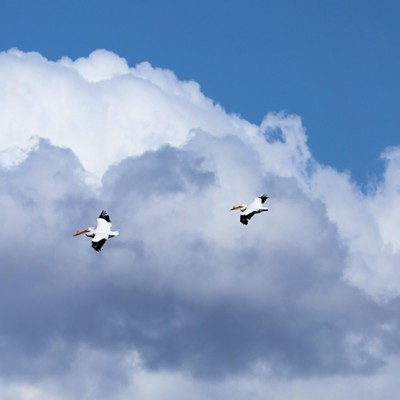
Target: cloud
101,109
186,296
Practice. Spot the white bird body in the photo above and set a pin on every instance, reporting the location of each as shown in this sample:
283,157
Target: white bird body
102,232
255,207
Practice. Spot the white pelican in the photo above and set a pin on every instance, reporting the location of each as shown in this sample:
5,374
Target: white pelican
101,233
255,207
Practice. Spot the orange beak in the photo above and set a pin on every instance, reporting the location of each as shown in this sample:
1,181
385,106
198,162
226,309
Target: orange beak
236,207
80,232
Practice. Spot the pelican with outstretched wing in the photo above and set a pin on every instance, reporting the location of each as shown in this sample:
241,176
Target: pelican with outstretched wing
102,232
255,207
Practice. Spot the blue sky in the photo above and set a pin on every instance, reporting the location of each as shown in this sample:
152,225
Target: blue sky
334,63
166,114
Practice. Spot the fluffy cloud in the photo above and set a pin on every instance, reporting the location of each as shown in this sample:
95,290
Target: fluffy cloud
186,297
100,109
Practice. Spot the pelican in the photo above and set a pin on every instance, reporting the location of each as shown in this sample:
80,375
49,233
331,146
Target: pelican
101,233
255,207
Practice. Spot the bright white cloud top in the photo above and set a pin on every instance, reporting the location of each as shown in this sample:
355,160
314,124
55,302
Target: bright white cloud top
186,290
101,109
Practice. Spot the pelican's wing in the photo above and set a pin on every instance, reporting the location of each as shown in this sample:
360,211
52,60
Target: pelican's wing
256,205
244,218
98,242
103,231
105,216
103,225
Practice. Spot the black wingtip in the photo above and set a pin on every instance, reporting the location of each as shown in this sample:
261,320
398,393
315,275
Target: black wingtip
105,216
263,198
244,220
98,245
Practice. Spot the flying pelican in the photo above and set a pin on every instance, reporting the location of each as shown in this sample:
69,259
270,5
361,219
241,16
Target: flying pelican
101,233
255,207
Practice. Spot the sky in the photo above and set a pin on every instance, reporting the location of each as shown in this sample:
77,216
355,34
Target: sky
166,115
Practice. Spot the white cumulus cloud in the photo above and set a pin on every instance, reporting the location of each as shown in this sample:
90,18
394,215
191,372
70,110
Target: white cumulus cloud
100,108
